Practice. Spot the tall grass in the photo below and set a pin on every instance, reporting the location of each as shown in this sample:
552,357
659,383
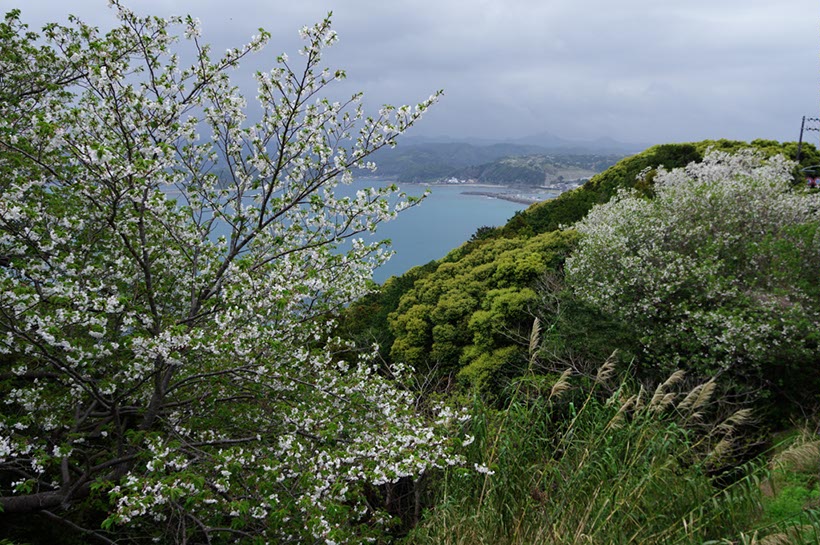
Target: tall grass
579,460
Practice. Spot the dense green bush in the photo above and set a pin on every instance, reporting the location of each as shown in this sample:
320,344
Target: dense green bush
717,272
469,315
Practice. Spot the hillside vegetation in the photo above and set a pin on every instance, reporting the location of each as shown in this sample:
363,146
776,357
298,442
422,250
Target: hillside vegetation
536,170
615,354
464,317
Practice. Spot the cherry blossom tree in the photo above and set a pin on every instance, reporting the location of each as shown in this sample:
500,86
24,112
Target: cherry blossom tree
169,273
717,272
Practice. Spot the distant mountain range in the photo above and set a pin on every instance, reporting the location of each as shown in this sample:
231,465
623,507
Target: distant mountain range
546,141
536,160
602,145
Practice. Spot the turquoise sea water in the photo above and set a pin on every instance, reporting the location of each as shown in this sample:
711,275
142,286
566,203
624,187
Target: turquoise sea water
443,221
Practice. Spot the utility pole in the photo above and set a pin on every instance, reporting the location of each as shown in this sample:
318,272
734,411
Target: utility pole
803,128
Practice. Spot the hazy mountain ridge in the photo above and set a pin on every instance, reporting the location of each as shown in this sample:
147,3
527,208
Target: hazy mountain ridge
421,161
546,141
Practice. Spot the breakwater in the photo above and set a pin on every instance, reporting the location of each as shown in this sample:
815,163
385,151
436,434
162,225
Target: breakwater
512,197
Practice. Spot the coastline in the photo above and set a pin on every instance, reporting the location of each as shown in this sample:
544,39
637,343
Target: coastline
518,194
436,184
504,196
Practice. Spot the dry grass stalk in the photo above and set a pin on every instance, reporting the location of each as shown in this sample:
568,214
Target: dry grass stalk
618,419
774,539
705,395
661,399
561,385
662,402
698,397
639,399
727,429
721,449
606,371
785,538
535,338
674,378
739,418
804,457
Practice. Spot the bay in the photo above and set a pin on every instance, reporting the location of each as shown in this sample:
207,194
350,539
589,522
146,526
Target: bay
441,222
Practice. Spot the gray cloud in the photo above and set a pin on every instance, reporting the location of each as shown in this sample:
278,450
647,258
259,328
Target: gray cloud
639,70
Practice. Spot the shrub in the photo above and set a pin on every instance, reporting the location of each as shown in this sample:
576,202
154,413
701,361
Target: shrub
717,272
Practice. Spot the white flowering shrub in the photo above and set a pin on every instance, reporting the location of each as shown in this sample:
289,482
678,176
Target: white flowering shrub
717,273
168,275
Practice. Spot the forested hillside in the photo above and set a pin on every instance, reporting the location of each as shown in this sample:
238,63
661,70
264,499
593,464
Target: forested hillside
600,346
537,170
467,315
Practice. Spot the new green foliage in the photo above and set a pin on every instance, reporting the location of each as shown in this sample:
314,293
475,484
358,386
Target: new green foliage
469,315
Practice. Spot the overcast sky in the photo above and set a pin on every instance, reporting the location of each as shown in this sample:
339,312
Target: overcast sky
646,71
